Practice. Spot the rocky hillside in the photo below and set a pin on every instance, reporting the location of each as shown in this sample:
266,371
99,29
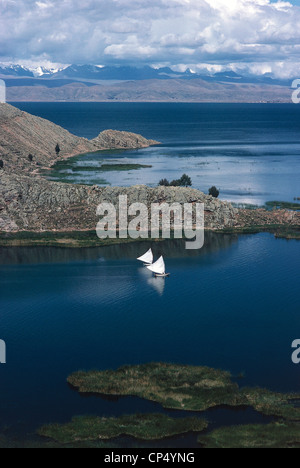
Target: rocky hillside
35,204
112,139
29,202
28,143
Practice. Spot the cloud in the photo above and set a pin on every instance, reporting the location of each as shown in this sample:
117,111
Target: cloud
252,34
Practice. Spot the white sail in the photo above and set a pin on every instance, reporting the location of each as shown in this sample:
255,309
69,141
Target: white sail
158,267
147,257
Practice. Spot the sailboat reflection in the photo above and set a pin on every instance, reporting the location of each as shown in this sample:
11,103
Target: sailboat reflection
158,284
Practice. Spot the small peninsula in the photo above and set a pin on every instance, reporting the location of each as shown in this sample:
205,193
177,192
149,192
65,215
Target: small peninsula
32,208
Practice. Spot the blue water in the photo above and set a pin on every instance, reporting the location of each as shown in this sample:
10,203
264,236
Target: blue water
250,151
233,305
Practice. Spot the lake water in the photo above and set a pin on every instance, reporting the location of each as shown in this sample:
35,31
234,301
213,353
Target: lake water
232,305
250,151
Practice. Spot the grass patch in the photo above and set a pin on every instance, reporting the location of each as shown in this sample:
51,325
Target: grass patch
280,205
140,426
66,171
123,167
72,239
275,435
39,442
173,386
183,388
279,230
60,169
109,167
272,403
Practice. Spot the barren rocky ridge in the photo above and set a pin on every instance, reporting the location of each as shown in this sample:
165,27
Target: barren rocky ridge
23,134
29,202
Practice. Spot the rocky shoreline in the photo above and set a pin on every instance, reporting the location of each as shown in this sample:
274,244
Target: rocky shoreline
30,203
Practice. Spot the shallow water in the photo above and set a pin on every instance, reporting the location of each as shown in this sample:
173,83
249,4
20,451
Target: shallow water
251,152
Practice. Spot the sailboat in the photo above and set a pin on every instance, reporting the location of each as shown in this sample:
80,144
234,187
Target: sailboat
159,268
147,258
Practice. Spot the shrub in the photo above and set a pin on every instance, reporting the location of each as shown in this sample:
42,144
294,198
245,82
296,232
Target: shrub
57,149
1,164
30,157
214,192
164,183
184,181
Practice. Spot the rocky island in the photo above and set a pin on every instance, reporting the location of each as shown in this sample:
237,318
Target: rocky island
29,203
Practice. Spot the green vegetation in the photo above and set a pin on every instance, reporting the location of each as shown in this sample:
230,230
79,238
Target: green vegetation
110,167
72,239
123,167
1,164
184,388
214,192
164,183
275,435
30,157
174,386
57,149
184,181
140,426
280,205
279,230
76,239
67,171
271,403
34,441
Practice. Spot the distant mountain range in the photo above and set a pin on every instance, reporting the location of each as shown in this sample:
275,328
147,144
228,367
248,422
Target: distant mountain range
15,70
95,74
91,83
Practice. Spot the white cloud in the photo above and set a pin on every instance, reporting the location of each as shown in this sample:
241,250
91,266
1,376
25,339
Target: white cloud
253,34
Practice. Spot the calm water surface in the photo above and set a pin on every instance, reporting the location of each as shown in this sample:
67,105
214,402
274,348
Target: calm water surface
251,152
233,305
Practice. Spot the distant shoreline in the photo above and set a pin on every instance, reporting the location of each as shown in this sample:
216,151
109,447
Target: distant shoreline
129,101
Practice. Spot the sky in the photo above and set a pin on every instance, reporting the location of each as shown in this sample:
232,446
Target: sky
249,36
